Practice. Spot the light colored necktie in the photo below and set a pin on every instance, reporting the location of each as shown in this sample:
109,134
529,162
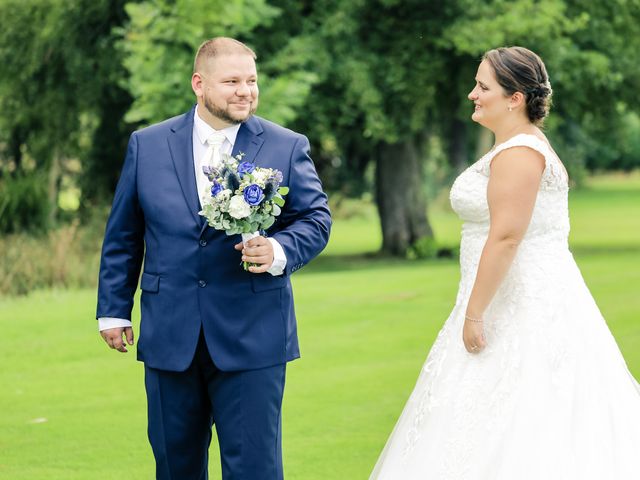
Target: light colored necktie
215,141
211,158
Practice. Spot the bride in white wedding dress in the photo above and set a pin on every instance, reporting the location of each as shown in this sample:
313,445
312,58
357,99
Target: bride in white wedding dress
525,380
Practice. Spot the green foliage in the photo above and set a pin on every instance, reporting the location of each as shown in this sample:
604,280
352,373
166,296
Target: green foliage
382,65
589,62
629,134
399,70
495,23
423,248
160,43
620,148
57,77
23,202
282,97
354,76
50,70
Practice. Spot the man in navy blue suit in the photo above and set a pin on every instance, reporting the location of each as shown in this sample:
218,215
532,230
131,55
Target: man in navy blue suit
214,338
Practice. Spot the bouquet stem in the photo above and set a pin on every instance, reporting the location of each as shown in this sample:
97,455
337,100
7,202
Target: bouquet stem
245,238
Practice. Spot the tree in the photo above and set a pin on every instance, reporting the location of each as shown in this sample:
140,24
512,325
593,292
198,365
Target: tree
371,56
56,67
160,42
395,74
588,48
102,154
373,83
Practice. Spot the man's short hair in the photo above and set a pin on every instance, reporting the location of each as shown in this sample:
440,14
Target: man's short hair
219,46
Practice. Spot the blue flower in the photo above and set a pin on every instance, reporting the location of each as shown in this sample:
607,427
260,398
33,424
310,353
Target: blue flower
245,167
253,195
216,188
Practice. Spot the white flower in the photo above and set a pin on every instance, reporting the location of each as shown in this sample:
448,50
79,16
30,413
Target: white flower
221,201
224,194
238,208
260,176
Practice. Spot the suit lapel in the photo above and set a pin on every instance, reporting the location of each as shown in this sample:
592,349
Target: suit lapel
181,148
248,140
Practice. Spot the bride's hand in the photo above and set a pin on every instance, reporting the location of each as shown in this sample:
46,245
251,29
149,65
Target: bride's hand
473,335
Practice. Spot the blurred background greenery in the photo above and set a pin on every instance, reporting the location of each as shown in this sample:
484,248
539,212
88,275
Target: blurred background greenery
379,87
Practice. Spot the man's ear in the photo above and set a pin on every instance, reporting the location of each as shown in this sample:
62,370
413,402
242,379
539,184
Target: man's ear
196,84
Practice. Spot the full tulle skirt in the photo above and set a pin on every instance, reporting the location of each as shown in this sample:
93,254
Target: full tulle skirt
550,398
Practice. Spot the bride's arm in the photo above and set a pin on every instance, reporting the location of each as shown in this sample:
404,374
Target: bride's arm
511,194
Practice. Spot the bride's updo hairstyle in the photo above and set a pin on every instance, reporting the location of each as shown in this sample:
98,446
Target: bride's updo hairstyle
518,69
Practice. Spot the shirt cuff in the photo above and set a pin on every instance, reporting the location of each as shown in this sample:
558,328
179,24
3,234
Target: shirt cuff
279,258
105,323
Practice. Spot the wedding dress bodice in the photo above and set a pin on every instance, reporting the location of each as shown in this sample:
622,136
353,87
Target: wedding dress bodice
544,248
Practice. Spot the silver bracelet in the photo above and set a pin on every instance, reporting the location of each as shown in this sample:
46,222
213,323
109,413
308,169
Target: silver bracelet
471,319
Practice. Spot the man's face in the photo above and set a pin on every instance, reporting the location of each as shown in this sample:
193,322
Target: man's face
228,89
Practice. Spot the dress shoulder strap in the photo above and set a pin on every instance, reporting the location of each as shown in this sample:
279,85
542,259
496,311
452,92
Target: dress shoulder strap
554,173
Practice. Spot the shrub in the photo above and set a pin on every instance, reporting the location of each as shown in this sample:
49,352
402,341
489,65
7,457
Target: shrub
23,203
64,257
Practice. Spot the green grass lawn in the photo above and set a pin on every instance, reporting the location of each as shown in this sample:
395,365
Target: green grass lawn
72,409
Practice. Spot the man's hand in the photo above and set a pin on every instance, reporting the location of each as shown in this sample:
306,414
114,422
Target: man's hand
113,337
259,251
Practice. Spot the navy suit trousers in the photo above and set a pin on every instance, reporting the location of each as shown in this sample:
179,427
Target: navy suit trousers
245,407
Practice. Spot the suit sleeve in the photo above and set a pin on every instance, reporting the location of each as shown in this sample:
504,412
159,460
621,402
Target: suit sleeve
123,246
306,218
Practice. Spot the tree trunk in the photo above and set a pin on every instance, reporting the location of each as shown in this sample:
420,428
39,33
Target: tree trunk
16,140
400,196
53,187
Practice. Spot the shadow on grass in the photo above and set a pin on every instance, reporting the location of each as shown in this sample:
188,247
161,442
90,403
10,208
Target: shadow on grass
596,250
345,262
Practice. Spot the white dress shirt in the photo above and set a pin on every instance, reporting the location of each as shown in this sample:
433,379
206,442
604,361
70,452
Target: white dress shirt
201,131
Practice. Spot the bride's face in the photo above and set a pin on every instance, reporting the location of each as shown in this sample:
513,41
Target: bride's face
488,97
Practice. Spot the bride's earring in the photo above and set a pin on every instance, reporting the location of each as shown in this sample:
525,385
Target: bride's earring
510,109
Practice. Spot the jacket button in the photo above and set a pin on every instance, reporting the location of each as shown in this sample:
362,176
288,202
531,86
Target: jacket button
203,243
202,283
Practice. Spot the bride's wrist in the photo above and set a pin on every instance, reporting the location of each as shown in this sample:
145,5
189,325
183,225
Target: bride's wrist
473,319
473,315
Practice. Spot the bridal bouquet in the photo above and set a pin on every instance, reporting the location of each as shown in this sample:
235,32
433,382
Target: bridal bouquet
244,198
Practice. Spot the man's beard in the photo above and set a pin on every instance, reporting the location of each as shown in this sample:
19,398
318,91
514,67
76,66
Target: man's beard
224,115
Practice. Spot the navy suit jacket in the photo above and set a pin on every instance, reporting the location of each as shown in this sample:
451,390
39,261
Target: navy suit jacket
192,278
